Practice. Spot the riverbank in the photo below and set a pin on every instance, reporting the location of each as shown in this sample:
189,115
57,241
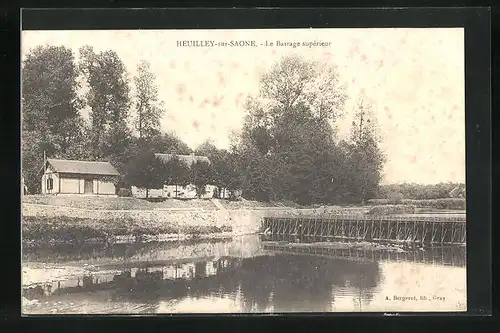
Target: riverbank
92,220
79,219
130,203
41,230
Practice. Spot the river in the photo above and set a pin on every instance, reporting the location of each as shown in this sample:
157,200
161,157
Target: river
237,276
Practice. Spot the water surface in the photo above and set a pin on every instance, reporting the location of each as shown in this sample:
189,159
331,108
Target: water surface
238,275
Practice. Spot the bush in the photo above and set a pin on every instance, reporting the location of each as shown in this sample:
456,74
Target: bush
392,209
64,229
395,197
448,203
124,192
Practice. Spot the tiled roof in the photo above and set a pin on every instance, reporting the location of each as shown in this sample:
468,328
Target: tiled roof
188,159
83,167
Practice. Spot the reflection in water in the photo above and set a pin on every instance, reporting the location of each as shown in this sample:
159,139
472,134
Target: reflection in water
262,282
283,282
442,255
69,252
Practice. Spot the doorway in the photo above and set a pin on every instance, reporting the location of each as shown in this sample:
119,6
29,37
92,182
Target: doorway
89,186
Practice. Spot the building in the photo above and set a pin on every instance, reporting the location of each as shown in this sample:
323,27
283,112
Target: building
78,177
173,191
188,159
189,191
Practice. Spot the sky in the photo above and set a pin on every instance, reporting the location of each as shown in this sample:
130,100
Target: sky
415,79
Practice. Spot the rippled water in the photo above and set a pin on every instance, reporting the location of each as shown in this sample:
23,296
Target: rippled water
238,275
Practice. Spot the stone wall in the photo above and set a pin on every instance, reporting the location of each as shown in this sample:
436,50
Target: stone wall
242,221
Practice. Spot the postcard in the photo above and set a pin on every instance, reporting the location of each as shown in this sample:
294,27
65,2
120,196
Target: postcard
243,171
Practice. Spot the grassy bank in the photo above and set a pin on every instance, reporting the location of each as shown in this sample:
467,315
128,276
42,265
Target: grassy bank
37,230
128,203
79,220
116,203
135,204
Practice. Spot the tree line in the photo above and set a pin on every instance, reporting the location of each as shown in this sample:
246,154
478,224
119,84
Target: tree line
289,146
421,192
122,123
288,149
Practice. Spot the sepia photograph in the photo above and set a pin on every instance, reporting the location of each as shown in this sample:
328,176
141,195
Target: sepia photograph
243,171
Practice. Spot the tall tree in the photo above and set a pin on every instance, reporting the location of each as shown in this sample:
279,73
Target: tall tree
219,159
167,143
287,143
146,171
294,80
51,120
207,148
33,146
366,157
115,145
149,109
232,179
255,171
201,176
49,91
177,173
108,98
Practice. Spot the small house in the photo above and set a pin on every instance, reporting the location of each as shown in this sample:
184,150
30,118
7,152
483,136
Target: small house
78,177
172,190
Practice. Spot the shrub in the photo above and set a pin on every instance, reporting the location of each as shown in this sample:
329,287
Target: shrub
392,209
63,230
395,197
124,192
448,203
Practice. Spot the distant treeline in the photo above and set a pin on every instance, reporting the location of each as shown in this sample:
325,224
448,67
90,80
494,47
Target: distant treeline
397,192
448,203
288,149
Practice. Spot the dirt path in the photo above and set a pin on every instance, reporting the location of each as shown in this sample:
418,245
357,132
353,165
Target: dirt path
218,204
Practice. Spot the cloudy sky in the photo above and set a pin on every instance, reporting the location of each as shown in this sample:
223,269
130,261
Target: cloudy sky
415,78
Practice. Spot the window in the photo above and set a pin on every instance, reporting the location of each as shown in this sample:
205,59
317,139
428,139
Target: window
50,184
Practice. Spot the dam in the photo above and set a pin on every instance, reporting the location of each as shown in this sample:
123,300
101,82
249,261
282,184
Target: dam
439,229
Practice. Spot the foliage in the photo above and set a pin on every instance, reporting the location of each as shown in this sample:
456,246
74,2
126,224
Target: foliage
294,81
149,109
287,150
124,192
51,120
392,209
288,133
420,191
166,143
116,147
78,231
365,156
108,98
224,167
177,172
231,179
32,160
201,175
449,203
49,97
146,171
